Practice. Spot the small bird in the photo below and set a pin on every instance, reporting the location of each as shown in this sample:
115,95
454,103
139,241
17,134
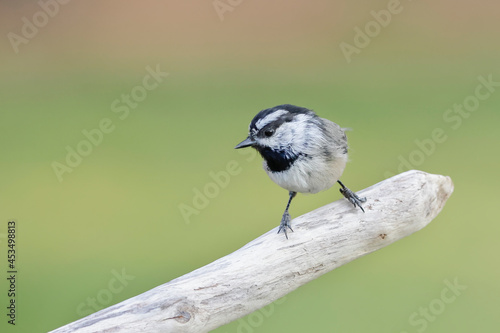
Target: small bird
302,152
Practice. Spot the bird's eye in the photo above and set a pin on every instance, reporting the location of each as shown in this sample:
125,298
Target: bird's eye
269,132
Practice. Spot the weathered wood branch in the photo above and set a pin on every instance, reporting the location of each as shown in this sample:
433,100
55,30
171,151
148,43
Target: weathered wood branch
271,266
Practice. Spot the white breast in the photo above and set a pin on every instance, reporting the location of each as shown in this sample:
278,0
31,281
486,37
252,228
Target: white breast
309,176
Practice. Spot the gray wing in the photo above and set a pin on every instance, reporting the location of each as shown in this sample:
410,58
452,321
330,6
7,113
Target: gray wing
335,134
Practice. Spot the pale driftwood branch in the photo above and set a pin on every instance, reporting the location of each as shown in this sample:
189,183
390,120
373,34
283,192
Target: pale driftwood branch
271,266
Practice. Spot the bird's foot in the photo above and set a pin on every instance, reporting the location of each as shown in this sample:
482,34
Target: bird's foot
352,197
285,223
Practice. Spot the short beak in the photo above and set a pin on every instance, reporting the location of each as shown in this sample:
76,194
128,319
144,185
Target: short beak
245,143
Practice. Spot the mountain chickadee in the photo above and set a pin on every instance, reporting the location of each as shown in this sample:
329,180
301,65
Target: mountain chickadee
302,152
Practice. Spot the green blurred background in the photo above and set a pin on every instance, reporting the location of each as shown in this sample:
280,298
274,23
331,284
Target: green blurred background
119,209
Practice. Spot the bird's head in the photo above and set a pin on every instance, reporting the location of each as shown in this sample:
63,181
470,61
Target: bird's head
280,128
283,134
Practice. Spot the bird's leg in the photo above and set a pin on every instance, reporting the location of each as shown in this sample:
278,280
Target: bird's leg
285,220
351,196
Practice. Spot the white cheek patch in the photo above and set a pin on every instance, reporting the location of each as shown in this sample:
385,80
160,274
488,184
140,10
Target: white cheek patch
284,134
296,130
269,119
289,133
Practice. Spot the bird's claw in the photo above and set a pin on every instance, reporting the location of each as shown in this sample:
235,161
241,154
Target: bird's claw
285,223
352,197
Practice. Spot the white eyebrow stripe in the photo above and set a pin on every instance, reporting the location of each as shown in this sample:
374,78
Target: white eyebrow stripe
269,118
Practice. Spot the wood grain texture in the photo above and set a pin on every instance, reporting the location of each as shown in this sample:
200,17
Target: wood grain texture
271,266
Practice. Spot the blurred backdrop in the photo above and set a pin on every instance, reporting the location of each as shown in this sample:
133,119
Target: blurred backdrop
116,115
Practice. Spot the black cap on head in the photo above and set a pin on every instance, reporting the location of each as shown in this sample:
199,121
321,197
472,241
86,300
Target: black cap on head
258,122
